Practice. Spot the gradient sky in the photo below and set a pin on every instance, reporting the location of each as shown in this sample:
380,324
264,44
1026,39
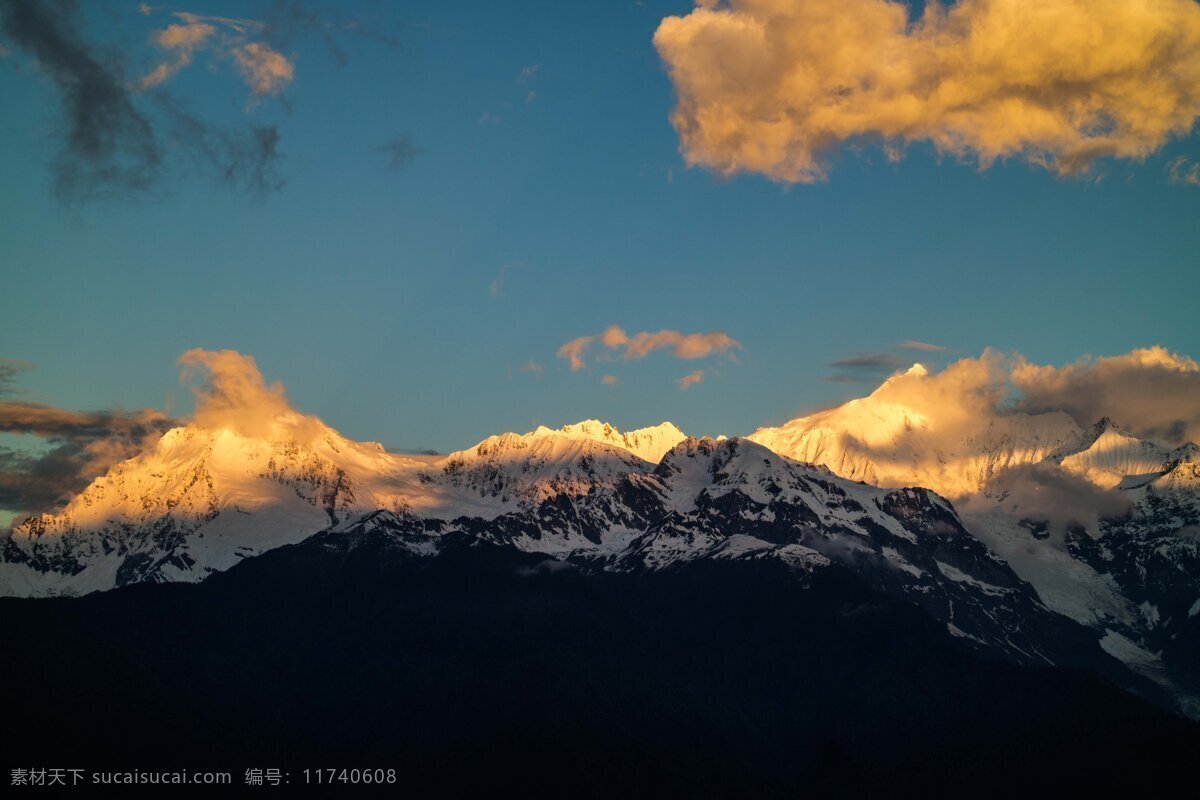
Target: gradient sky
547,201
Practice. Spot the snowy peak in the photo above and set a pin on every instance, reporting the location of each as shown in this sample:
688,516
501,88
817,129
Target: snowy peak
202,499
887,443
1182,477
649,444
527,469
1111,458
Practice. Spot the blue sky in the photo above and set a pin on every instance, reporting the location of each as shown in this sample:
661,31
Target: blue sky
367,290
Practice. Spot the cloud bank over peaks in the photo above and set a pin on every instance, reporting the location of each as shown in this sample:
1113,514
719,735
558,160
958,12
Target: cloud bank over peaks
1152,392
775,86
956,429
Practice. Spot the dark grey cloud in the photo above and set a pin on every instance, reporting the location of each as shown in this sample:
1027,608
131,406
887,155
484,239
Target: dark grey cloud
249,159
115,142
10,368
76,447
874,361
285,21
399,152
108,145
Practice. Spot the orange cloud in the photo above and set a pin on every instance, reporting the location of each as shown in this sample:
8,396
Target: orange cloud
609,380
690,380
772,86
688,346
573,351
265,71
232,394
682,345
183,41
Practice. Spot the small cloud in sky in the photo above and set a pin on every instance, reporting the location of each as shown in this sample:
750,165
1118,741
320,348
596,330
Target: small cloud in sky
1182,171
690,380
609,380
399,152
913,344
533,368
872,367
874,361
681,345
496,287
526,78
264,70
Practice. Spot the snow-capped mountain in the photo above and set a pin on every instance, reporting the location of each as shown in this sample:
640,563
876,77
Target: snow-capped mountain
998,577
1111,458
879,439
203,499
1099,522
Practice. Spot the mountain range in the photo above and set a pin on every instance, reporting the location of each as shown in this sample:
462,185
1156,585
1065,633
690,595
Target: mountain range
1027,537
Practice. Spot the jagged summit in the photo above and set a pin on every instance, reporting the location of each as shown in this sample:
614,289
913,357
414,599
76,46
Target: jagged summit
884,441
648,443
1111,458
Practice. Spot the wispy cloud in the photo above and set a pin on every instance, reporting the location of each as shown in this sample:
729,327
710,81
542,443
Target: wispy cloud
75,446
690,380
181,42
399,152
772,87
496,287
573,351
264,70
913,344
639,345
526,78
609,380
108,145
121,136
873,367
1182,171
874,361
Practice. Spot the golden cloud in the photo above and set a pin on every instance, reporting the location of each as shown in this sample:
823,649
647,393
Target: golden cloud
265,71
690,380
232,394
772,86
181,40
688,346
1151,392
